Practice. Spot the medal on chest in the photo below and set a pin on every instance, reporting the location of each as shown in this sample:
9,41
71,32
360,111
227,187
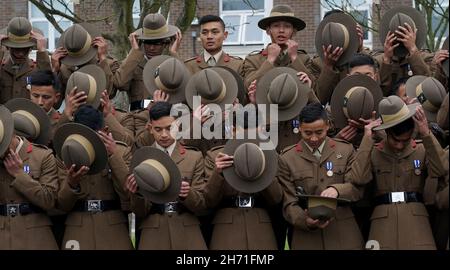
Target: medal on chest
329,167
295,126
417,170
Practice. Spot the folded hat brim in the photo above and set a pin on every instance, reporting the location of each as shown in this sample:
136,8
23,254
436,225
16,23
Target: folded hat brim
8,129
296,22
412,110
170,33
70,60
100,79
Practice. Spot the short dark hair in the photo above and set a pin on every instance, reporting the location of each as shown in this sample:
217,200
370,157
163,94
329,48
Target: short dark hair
90,117
361,59
333,11
211,18
159,110
45,78
313,112
402,128
397,84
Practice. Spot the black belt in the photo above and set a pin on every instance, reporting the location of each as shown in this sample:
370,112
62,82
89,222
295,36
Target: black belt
97,205
241,202
14,209
398,197
167,208
136,105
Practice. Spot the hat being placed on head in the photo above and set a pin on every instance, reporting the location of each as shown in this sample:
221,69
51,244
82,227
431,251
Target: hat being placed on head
445,62
92,80
18,33
6,129
167,74
253,169
77,40
155,27
282,13
398,16
393,111
78,144
30,120
429,92
156,174
282,87
321,208
354,97
338,30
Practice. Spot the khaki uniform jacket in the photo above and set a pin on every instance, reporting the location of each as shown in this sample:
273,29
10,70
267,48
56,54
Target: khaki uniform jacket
198,63
298,167
141,118
442,115
13,83
38,187
121,125
239,228
256,65
102,230
401,225
179,231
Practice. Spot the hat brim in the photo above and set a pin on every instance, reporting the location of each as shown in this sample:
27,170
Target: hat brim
340,201
100,79
90,28
65,130
170,33
337,99
89,55
350,24
34,109
256,185
411,85
173,190
412,110
296,22
11,44
263,86
8,129
240,82
231,85
445,63
148,75
415,15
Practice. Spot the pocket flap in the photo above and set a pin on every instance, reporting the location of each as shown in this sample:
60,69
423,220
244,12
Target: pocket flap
383,169
223,217
381,211
189,220
151,221
263,216
418,210
116,217
37,220
74,219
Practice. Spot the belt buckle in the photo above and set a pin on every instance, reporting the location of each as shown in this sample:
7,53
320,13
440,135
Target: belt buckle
94,205
12,209
244,202
398,197
170,207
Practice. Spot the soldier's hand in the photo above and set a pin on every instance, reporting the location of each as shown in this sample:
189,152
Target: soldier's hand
102,48
360,33
407,35
201,113
223,161
130,184
74,177
315,223
160,95
421,121
175,45
273,50
41,41
13,163
73,101
109,141
347,133
330,56
361,123
303,77
371,124
57,55
252,92
184,190
440,56
292,48
389,46
105,103
330,192
133,41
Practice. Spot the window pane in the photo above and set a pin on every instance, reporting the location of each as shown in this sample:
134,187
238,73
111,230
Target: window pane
252,31
242,5
35,12
362,17
63,8
43,26
64,25
136,8
233,26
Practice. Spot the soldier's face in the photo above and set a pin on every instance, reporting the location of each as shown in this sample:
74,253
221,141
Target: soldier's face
153,49
314,133
19,55
399,142
212,35
365,70
160,129
44,96
280,32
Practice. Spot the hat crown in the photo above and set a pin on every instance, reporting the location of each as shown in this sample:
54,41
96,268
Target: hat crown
154,21
171,73
335,34
208,84
360,103
72,152
75,38
400,19
249,161
149,178
391,105
282,90
433,90
282,9
19,26
81,81
24,126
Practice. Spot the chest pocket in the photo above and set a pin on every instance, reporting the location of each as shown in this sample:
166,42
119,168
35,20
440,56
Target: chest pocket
35,174
383,174
413,180
338,172
304,179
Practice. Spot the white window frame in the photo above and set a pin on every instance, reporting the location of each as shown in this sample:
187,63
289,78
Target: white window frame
51,29
243,27
367,5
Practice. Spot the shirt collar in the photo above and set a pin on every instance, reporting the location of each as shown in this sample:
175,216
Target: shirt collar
207,55
320,147
168,149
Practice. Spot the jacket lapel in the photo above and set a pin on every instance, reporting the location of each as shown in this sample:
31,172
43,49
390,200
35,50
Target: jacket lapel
305,153
177,157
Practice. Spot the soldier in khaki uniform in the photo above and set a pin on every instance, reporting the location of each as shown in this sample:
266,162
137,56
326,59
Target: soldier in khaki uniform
28,184
319,165
212,35
14,70
439,66
171,225
92,192
399,167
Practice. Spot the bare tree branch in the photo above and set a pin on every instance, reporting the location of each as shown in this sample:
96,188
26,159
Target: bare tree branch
185,20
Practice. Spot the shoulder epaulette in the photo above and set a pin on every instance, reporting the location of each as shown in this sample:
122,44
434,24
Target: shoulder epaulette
122,143
256,52
190,59
40,146
288,148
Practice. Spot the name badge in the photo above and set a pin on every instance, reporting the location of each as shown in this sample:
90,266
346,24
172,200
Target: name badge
329,166
417,170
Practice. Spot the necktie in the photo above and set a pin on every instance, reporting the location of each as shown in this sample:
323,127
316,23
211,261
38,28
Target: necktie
211,61
317,154
167,152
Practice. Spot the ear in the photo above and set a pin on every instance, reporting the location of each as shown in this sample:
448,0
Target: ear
268,30
225,35
57,97
148,126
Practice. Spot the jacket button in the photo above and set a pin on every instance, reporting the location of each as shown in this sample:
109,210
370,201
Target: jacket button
321,179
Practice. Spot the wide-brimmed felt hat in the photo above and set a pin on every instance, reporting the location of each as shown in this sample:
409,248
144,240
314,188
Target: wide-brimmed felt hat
281,86
77,40
282,13
78,144
354,97
18,33
445,62
155,27
214,85
338,30
156,174
253,169
322,208
6,129
30,120
429,92
393,111
168,74
240,82
92,80
397,16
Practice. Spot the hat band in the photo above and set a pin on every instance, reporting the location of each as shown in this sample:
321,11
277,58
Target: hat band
82,51
426,104
283,107
222,94
2,131
276,14
156,32
92,89
161,169
32,118
346,36
19,39
87,145
389,118
346,99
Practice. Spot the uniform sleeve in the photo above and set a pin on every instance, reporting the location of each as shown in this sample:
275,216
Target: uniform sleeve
118,131
43,61
303,63
418,65
325,84
124,73
251,70
119,163
214,182
195,200
42,191
385,76
360,172
109,66
273,194
434,156
67,196
139,205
